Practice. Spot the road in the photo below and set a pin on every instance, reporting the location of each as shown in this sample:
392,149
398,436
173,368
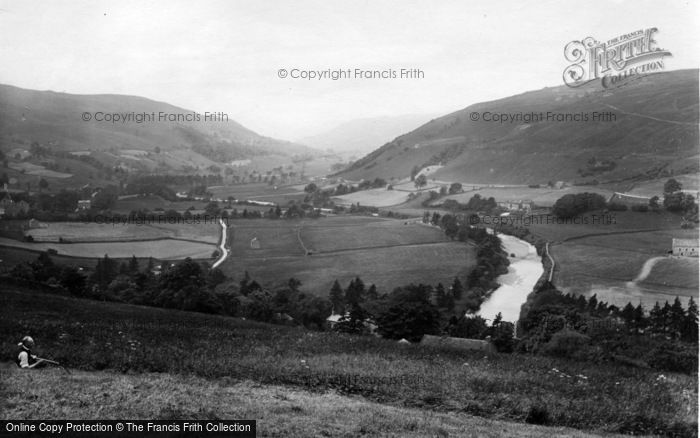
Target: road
222,245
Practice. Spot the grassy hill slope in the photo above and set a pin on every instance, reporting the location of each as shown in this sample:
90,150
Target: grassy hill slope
55,119
280,410
655,131
91,335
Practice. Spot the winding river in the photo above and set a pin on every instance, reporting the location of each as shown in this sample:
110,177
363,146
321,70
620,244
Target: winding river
523,272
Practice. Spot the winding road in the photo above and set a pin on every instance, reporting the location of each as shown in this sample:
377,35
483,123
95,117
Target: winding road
222,245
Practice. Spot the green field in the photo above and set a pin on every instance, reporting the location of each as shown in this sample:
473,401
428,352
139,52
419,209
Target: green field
605,265
388,253
373,198
542,197
656,187
93,232
170,249
259,192
367,386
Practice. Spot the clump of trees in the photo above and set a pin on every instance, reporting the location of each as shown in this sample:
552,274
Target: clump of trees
577,203
676,200
553,323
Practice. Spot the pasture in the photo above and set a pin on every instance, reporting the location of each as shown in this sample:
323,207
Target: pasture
598,222
608,265
170,249
656,187
387,253
373,198
259,192
206,232
542,197
37,170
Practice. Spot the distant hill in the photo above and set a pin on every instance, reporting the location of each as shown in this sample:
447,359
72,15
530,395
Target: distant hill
55,119
654,134
361,136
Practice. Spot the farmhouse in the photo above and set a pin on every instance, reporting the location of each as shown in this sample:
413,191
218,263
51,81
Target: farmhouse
685,247
516,205
335,318
11,207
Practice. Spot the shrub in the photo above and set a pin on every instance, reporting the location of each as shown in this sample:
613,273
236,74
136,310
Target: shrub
616,206
538,414
673,357
566,343
640,208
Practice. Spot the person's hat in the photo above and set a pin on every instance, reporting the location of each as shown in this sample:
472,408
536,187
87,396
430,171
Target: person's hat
27,341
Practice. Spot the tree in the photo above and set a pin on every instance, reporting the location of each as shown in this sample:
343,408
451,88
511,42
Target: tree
133,265
628,314
450,226
336,297
470,327
408,320
355,292
654,203
593,303
73,280
457,289
212,209
43,184
354,322
311,188
676,318
656,319
455,188
501,333
372,293
639,320
672,186
420,181
690,324
440,295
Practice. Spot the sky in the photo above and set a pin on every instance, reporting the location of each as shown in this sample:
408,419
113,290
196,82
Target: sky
226,56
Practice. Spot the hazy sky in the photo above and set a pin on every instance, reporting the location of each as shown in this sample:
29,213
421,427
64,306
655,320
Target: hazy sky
225,55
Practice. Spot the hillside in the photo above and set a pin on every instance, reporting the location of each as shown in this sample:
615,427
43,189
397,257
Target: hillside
361,136
55,120
280,410
654,134
286,375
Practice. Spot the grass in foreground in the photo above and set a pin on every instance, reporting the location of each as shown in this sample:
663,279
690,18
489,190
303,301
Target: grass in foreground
280,411
91,335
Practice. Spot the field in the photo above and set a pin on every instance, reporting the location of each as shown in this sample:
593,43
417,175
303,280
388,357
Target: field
373,198
656,187
282,375
542,197
607,266
322,238
38,170
388,253
94,232
170,249
259,192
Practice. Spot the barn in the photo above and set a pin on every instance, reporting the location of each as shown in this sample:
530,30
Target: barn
685,247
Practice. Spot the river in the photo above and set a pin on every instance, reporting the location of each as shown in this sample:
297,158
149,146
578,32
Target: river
523,272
